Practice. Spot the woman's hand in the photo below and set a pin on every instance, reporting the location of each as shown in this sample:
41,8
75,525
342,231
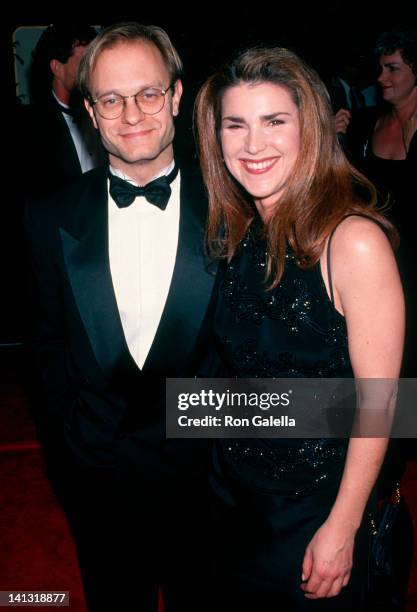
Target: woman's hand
367,290
328,560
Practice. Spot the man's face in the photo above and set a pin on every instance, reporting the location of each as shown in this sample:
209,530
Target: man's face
68,72
134,138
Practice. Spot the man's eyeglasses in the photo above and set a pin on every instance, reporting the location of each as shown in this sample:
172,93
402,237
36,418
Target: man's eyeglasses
150,101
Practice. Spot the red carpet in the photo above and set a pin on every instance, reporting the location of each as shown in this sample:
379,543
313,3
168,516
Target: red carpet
37,552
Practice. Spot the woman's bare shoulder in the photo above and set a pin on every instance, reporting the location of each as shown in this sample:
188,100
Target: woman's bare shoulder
358,236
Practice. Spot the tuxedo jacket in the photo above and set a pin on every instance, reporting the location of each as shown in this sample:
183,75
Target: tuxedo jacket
337,94
352,141
94,393
50,153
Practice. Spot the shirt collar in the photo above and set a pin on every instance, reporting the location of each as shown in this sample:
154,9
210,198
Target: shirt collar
164,172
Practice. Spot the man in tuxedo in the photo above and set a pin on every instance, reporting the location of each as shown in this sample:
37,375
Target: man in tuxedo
58,135
54,136
122,291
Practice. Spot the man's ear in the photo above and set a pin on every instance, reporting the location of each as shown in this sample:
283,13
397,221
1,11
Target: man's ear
56,68
176,97
90,112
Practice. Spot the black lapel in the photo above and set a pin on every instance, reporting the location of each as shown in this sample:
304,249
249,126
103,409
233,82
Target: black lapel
191,285
66,157
85,248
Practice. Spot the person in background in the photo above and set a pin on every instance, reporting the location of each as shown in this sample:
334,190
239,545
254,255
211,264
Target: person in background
352,94
392,136
389,160
58,137
308,287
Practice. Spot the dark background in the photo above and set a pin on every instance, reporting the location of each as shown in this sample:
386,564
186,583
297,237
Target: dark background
210,32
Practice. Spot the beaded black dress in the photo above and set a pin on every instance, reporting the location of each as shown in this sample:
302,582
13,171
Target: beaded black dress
272,495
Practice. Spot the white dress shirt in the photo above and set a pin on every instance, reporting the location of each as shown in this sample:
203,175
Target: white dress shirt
143,242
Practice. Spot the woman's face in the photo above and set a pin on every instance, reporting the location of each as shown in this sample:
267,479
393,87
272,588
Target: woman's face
396,79
260,138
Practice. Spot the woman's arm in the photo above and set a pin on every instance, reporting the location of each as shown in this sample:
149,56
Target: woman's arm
368,292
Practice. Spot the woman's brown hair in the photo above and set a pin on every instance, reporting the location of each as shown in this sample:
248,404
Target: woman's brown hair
323,187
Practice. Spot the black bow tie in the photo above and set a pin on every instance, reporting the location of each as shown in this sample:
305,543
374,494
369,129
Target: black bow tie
157,192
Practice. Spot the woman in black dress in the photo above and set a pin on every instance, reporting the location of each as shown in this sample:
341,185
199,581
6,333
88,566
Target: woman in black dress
390,161
308,288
